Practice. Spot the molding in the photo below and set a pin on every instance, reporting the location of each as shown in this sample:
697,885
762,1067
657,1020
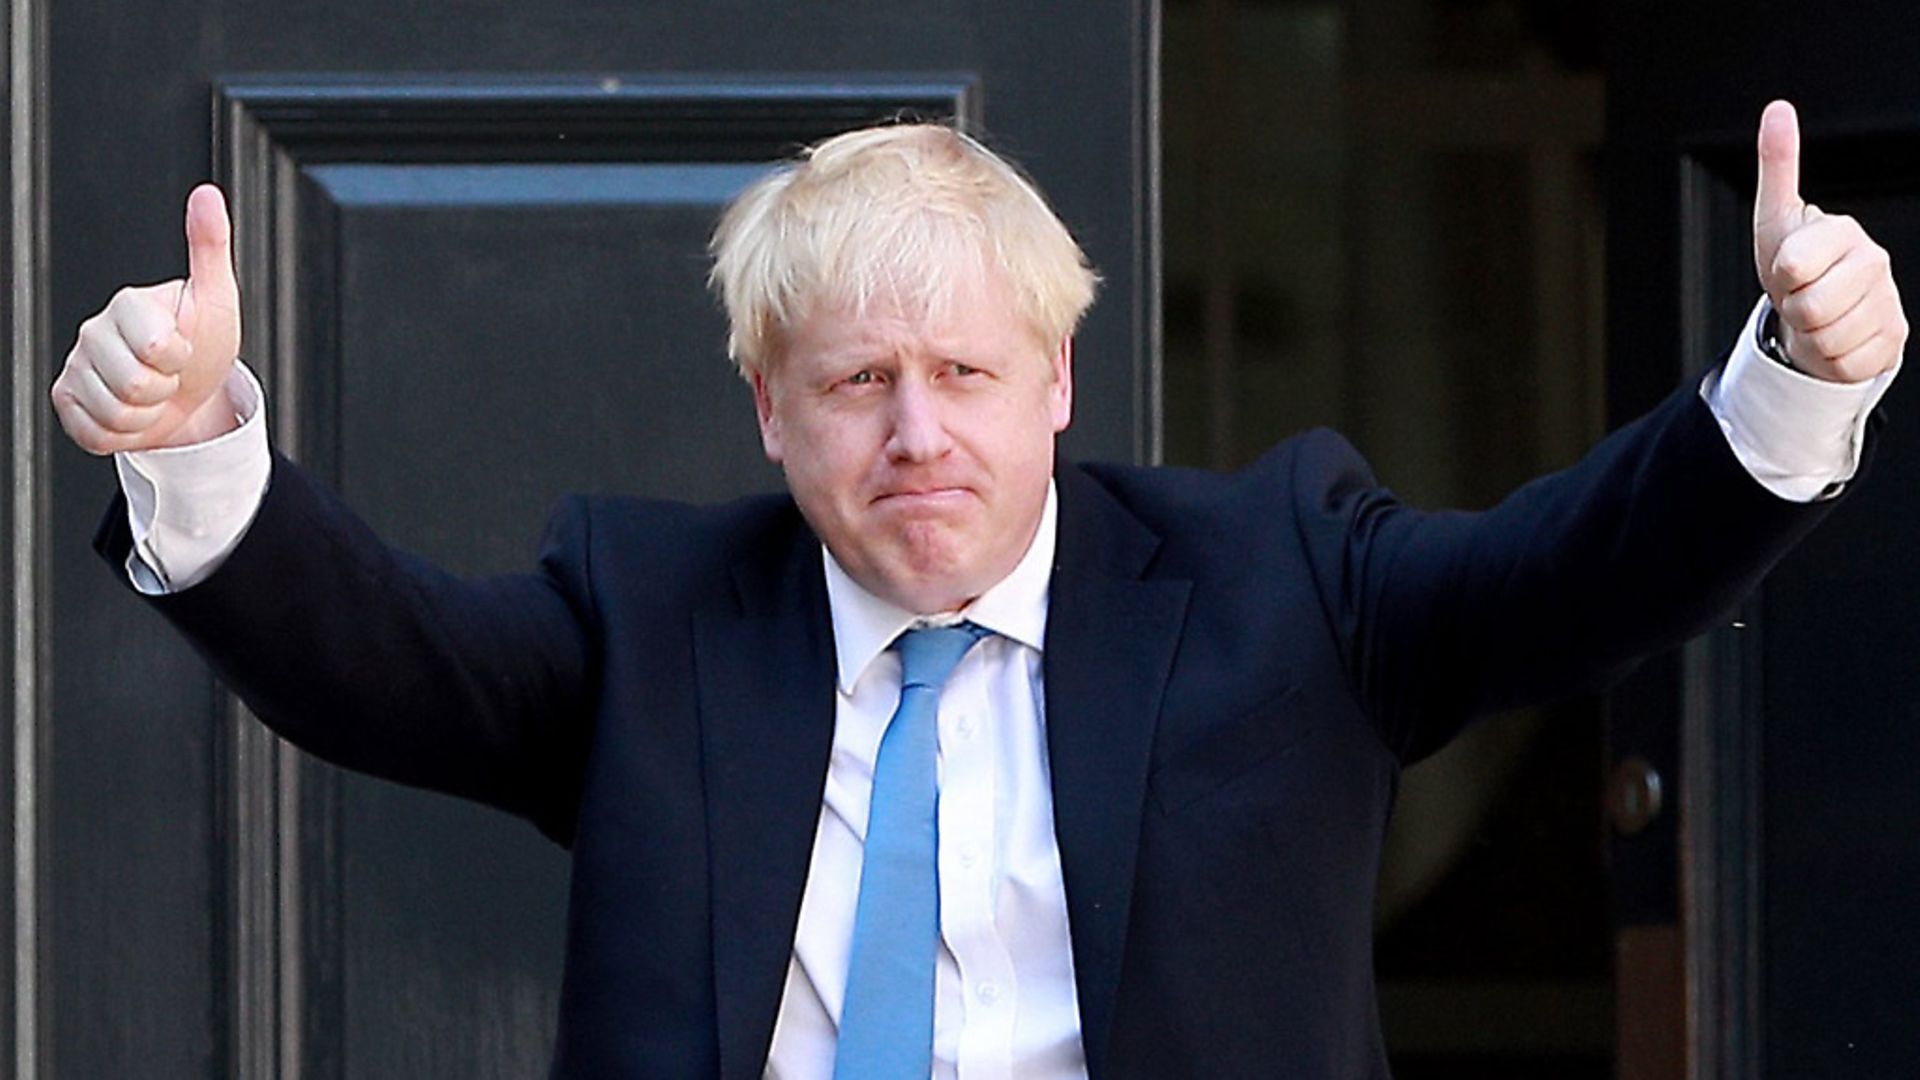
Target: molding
708,118
1150,422
1721,730
28,457
281,809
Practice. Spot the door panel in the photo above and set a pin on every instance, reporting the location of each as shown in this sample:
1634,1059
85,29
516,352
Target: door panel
1841,806
1792,729
471,243
483,315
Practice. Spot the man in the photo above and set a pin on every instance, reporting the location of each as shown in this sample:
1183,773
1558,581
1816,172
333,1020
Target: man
960,760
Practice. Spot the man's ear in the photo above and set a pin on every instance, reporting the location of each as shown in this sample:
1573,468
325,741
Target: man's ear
1060,394
769,421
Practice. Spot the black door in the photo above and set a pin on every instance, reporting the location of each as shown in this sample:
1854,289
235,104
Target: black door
1770,923
471,242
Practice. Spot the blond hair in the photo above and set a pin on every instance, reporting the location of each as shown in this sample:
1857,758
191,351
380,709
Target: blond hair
898,213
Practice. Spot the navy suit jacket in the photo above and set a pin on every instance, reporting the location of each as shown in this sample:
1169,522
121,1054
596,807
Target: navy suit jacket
1236,669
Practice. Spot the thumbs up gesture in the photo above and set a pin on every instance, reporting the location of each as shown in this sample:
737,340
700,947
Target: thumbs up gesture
150,370
1840,314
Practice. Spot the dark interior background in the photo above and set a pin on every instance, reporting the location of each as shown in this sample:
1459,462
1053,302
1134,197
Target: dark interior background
1474,235
1386,216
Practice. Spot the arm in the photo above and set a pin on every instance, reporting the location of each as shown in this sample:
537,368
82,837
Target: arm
1651,538
378,661
364,655
1656,534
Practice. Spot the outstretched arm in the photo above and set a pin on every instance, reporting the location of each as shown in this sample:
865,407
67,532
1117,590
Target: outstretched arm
365,656
1652,537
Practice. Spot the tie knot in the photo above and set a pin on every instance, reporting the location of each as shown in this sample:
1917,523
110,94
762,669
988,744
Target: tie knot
928,654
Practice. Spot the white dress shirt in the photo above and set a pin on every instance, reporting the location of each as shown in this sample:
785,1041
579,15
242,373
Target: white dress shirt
1005,1002
1799,436
189,505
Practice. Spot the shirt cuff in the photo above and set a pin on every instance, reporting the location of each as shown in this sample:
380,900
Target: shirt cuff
188,506
1798,436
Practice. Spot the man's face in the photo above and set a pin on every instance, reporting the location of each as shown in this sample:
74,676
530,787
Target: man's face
919,448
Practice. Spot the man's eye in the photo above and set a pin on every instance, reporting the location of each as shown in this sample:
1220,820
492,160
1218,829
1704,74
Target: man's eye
964,369
861,378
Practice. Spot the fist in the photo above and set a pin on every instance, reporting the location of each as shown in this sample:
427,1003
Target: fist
150,370
1840,314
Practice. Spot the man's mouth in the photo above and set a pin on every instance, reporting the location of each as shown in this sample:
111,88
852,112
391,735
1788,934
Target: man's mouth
927,496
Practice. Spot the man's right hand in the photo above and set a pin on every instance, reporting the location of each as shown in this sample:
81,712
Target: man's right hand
150,370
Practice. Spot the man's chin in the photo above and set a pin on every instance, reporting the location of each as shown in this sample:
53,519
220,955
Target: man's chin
935,602
931,582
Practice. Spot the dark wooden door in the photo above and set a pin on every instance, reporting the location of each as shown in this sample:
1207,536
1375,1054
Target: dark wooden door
1767,913
471,240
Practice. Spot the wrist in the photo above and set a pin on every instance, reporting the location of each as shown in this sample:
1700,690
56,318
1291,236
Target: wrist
1772,345
215,417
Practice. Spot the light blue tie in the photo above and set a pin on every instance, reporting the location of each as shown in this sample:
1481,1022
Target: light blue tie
886,1024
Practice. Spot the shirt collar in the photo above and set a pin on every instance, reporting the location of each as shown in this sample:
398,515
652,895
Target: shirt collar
1015,607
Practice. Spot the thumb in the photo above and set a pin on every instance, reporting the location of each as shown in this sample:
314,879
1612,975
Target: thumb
210,277
1777,207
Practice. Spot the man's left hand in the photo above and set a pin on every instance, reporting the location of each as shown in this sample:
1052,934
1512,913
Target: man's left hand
1840,314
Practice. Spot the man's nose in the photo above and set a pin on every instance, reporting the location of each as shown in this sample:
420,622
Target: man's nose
919,424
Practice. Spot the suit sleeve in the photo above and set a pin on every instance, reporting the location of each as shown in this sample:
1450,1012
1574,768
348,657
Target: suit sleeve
1654,536
377,661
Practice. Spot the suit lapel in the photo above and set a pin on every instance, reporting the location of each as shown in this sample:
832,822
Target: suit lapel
765,671
1110,643
765,675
